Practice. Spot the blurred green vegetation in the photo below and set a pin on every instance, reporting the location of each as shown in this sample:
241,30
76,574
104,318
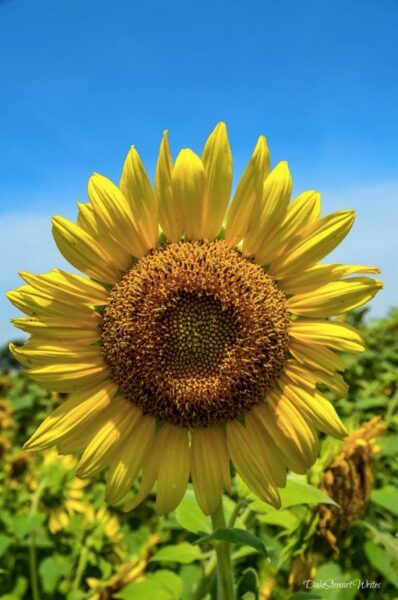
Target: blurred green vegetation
57,536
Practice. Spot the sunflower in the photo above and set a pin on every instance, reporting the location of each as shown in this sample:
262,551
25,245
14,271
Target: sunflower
62,494
195,339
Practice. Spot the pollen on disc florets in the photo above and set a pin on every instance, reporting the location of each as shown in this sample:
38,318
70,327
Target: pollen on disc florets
195,333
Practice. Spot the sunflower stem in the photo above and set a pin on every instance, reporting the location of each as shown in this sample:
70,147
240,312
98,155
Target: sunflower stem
225,580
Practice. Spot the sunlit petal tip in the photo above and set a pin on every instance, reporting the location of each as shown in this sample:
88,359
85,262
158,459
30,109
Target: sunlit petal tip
188,185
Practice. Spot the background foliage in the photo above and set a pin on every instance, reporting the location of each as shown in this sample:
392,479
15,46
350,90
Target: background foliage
58,537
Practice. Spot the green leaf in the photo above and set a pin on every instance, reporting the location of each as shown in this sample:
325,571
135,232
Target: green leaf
189,515
5,543
183,553
248,583
299,492
386,497
380,560
296,492
19,590
388,445
162,585
190,576
235,536
389,542
332,584
24,524
281,518
52,569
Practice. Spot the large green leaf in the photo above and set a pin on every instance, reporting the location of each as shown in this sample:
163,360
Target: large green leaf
23,524
388,445
386,497
389,542
183,553
379,558
189,515
296,492
331,583
52,569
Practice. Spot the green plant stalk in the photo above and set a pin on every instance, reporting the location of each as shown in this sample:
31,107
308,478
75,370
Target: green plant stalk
34,581
202,587
225,580
81,565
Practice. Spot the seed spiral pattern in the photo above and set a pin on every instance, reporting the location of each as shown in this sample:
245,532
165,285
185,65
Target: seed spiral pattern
195,333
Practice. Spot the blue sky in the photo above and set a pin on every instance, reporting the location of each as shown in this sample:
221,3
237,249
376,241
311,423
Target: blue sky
83,80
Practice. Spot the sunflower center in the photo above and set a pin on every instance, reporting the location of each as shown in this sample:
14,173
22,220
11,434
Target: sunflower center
195,333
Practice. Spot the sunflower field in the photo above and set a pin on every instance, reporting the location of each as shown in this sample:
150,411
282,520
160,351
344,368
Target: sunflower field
333,538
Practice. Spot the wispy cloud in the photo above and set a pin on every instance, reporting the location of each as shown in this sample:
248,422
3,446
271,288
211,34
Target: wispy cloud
26,244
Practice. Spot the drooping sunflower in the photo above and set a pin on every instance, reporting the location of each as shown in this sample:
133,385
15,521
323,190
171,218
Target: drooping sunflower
195,339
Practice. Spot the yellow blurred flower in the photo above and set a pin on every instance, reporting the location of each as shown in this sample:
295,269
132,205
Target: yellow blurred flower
132,570
63,492
109,523
6,420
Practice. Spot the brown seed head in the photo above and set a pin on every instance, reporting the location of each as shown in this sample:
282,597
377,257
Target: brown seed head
195,333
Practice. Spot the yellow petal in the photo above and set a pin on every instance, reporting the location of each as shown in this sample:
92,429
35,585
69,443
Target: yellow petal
266,451
217,161
137,188
316,408
316,357
67,286
207,466
83,252
106,443
313,243
114,212
149,475
42,357
86,219
78,410
293,435
129,459
35,303
276,196
170,215
79,437
247,461
69,377
334,382
53,328
304,209
319,275
339,336
248,193
188,184
299,375
334,298
173,468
